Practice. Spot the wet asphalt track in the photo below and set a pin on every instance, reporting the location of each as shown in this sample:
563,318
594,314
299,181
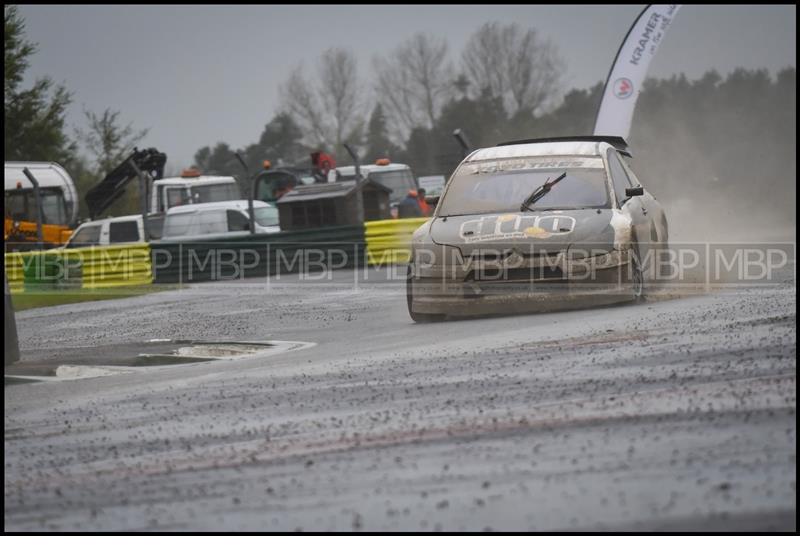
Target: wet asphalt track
674,414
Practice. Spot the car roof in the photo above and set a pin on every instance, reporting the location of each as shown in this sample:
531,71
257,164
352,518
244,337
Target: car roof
561,148
369,168
236,204
130,217
202,179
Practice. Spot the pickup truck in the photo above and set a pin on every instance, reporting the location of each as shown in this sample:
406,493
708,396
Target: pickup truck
107,232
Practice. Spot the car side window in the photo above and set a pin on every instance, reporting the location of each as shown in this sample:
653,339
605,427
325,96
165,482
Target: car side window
178,224
211,222
237,221
177,196
123,231
629,171
88,236
619,178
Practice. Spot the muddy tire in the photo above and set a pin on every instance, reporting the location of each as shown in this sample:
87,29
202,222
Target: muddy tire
420,318
637,277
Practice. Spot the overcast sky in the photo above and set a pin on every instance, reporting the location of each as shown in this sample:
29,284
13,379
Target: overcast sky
200,74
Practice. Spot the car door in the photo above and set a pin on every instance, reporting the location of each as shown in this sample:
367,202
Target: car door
655,211
634,207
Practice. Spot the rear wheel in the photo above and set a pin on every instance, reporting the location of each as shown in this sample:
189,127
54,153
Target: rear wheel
417,317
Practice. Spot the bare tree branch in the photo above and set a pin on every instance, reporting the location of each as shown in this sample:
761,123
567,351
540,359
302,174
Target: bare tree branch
340,93
330,111
515,65
413,83
302,105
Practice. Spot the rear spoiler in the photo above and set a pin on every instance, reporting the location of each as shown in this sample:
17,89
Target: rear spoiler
103,194
618,142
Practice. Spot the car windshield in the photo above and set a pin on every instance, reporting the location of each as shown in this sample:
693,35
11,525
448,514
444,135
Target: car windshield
85,236
502,185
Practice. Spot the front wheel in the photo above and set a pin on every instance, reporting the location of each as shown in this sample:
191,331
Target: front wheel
637,277
420,318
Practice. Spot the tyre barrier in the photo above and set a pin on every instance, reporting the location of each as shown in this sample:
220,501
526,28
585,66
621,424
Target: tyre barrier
389,241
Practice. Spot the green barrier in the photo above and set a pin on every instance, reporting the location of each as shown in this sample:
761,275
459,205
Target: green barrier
258,255
389,241
42,270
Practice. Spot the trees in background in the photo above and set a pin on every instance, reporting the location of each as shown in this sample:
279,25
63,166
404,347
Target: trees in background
107,140
34,117
35,127
413,82
328,109
731,138
379,145
221,160
109,143
281,142
513,64
734,134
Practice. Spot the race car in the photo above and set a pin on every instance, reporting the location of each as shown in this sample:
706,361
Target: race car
537,225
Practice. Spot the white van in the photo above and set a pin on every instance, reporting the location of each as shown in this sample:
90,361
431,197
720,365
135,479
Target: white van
218,220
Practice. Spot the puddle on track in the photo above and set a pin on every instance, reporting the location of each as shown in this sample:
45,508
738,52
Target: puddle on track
127,358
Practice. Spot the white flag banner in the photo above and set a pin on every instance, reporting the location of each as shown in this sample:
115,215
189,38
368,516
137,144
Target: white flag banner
629,70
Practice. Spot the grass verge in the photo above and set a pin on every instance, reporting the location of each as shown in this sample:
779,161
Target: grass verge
48,298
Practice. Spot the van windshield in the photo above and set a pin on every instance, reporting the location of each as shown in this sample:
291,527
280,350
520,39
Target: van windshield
215,192
399,180
207,193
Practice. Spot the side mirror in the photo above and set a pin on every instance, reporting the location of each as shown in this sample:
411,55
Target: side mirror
635,191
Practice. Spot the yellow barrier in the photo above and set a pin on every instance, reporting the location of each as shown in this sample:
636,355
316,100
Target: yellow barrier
92,267
112,266
389,241
16,279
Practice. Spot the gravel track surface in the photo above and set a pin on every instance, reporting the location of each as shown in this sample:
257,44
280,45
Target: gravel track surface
671,414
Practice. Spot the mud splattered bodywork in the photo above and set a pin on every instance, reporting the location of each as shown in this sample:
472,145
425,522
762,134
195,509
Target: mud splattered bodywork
580,243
